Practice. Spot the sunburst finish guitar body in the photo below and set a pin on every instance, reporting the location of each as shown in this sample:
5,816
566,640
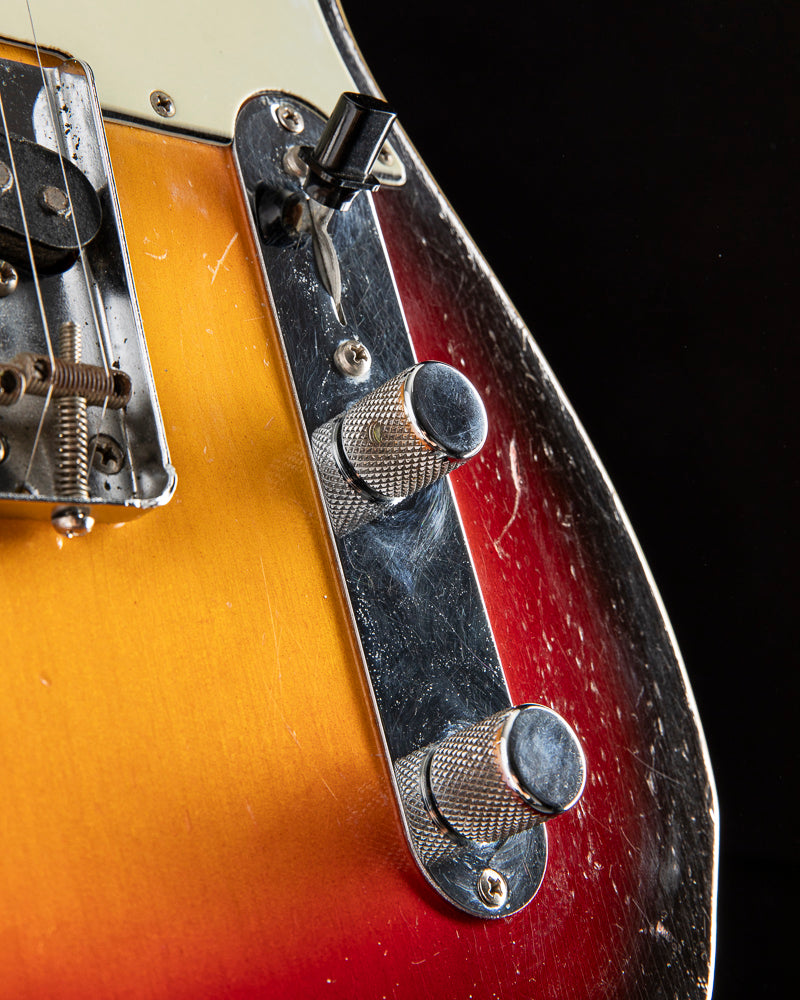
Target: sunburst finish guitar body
195,798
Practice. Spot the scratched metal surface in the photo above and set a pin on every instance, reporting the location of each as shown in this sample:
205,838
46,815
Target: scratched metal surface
403,579
554,483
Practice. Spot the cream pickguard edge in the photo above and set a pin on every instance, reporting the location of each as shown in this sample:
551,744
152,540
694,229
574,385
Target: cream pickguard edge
134,49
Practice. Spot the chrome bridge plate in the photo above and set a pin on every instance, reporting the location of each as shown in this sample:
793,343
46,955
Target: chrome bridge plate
57,109
427,643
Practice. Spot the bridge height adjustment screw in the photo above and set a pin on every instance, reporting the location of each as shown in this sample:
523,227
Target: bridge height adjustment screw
6,178
8,278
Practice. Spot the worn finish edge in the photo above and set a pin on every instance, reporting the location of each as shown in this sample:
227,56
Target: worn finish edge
356,64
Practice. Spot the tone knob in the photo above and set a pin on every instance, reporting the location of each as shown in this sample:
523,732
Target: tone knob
493,779
396,440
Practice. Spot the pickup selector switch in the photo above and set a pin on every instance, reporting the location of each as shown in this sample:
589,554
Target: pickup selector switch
396,440
341,163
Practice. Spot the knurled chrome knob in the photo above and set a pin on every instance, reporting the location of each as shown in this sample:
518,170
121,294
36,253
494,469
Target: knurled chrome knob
396,440
503,775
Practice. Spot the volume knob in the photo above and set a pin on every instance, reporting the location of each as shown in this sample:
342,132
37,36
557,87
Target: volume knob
396,440
505,774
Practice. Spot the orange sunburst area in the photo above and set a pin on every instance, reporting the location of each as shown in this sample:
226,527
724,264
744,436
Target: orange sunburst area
194,801
182,710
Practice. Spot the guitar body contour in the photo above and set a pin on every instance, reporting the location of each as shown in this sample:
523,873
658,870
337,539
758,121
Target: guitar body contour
195,799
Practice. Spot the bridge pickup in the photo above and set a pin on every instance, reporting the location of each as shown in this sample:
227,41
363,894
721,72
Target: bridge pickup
53,201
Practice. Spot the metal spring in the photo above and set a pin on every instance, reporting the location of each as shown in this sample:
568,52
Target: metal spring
72,466
70,378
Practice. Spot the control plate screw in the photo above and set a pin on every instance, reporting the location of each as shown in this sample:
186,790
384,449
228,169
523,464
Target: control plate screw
492,889
352,358
162,104
289,118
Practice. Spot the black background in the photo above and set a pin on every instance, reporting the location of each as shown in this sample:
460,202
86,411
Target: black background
630,172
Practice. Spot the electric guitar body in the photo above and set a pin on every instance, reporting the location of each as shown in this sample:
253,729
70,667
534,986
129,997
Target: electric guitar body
196,800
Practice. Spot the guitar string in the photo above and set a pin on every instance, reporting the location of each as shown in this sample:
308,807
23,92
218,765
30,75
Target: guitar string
38,288
60,139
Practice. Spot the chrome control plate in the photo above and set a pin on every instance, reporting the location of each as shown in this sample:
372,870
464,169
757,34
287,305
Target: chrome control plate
57,109
427,643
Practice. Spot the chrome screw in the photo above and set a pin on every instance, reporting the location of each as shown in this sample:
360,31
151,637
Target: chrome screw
8,278
162,104
109,458
3,448
54,200
72,521
352,358
6,178
289,118
385,156
492,889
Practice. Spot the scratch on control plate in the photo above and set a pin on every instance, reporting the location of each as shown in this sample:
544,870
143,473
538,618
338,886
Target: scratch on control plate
215,270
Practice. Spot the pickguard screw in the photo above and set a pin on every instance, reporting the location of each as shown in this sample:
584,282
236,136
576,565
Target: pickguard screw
289,118
162,104
385,156
54,200
492,889
8,278
3,448
6,178
352,358
109,458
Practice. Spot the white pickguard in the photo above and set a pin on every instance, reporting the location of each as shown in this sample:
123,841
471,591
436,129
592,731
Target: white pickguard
209,58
